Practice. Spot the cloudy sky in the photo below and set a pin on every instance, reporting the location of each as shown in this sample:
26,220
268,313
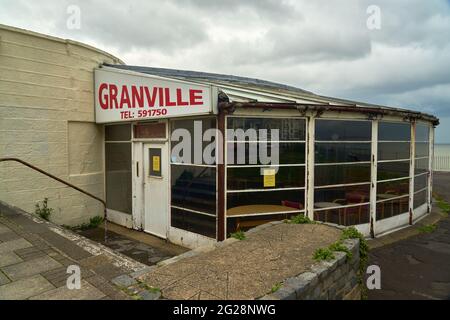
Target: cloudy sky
323,46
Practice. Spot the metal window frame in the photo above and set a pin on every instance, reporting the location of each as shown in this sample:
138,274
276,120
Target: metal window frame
226,166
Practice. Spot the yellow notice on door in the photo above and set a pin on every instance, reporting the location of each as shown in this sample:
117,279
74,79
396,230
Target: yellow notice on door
269,178
156,163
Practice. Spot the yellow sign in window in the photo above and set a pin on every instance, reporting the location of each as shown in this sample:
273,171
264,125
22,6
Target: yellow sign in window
269,178
156,163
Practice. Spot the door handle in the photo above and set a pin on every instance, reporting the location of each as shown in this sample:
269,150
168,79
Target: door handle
137,169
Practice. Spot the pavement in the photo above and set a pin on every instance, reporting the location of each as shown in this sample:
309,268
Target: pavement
35,256
416,265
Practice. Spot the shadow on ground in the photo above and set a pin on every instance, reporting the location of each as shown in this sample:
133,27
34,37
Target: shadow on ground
147,249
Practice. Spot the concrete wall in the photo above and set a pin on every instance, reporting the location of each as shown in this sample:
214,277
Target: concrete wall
47,119
328,280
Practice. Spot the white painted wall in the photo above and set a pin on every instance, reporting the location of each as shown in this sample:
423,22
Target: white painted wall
47,119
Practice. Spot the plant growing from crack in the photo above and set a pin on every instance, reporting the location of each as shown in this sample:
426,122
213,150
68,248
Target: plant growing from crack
93,223
239,235
323,254
300,219
276,287
44,212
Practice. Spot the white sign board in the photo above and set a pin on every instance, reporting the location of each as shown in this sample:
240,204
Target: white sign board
128,96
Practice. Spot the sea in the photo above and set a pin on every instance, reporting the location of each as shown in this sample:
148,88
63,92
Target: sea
442,149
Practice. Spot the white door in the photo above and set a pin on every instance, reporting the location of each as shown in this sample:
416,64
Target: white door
156,189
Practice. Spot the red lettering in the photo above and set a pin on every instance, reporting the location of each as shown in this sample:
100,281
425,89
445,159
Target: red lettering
151,98
180,101
103,100
137,97
124,97
195,97
168,102
161,97
113,96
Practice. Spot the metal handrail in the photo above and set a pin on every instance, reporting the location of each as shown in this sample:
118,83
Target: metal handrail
63,182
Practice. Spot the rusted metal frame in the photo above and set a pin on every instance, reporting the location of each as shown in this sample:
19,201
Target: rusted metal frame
63,182
310,166
371,111
221,177
374,179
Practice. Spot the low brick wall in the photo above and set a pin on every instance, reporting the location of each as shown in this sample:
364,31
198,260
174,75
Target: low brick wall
327,280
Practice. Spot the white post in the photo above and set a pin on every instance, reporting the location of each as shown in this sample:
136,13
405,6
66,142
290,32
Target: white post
373,179
412,169
310,168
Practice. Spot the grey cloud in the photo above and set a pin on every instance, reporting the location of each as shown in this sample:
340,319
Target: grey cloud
321,46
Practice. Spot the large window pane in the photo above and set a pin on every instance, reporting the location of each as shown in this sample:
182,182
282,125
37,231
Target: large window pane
250,153
289,129
118,132
194,188
340,130
342,152
393,170
422,166
393,150
344,216
420,198
341,196
196,140
420,182
251,178
391,131
244,223
118,176
193,222
422,149
341,174
422,132
392,208
265,202
392,189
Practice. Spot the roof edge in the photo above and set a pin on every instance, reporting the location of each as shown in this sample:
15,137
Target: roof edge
304,107
61,40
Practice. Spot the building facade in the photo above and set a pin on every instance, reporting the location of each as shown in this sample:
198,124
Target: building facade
193,157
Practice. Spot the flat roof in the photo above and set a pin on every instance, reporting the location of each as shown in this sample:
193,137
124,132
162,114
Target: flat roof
250,92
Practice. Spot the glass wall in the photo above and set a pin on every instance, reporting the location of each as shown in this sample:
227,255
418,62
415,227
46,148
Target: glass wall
393,176
265,169
118,167
193,177
342,171
422,164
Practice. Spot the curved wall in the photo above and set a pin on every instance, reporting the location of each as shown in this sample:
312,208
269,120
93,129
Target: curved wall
47,118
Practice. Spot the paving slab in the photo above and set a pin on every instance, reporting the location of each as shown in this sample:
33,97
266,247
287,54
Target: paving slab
3,279
4,229
30,267
8,258
25,288
86,292
12,245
